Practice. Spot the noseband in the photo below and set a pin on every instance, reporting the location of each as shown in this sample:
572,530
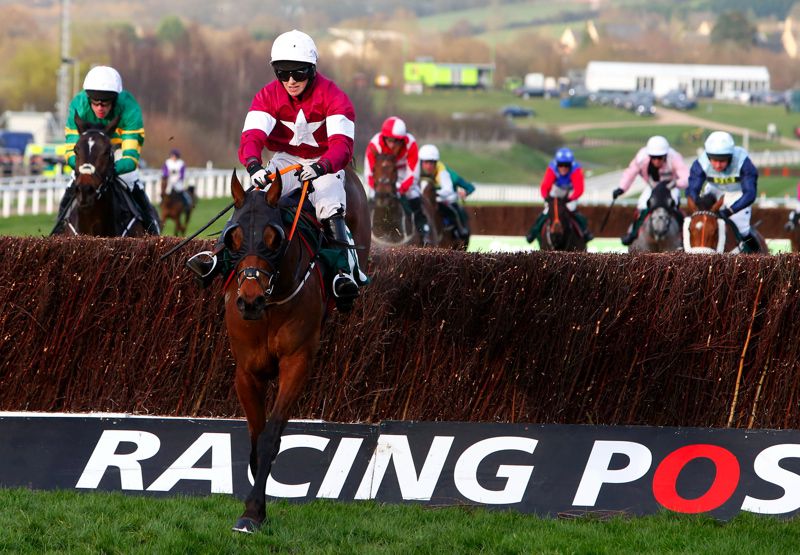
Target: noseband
721,231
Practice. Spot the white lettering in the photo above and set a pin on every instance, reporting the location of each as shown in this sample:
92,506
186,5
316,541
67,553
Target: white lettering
466,471
220,474
597,470
278,489
104,456
340,467
395,448
767,467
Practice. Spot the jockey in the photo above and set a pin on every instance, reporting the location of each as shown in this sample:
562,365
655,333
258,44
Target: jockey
303,118
726,170
567,176
101,100
655,162
174,172
446,182
394,139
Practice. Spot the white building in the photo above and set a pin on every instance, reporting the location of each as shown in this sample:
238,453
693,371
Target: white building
41,124
662,78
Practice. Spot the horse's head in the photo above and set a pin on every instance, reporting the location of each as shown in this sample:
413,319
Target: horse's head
94,160
660,206
704,230
257,242
384,176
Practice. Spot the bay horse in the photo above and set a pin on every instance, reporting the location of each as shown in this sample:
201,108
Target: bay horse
704,232
173,208
660,231
99,200
275,303
442,232
560,231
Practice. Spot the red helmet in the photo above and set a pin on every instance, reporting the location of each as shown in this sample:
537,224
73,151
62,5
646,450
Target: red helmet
395,128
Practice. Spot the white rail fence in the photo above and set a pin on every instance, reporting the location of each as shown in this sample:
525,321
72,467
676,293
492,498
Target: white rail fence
26,195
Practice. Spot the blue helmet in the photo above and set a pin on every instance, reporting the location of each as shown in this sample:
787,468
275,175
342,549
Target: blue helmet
564,156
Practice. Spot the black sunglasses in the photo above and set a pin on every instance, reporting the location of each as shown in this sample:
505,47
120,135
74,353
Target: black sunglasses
297,74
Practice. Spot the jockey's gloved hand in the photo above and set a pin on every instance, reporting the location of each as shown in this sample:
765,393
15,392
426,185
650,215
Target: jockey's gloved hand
617,193
725,213
310,171
258,175
789,226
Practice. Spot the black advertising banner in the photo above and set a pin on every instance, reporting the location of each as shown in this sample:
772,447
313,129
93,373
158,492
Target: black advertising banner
543,469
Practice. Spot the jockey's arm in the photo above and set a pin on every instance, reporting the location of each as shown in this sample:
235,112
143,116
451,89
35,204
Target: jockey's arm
577,184
679,169
630,173
697,178
369,163
749,176
546,185
131,133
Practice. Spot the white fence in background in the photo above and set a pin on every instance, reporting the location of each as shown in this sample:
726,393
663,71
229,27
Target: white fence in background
26,195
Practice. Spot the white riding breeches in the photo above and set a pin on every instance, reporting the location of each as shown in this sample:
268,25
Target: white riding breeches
132,180
742,218
328,196
414,191
648,192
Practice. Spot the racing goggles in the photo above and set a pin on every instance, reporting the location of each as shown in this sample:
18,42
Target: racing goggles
299,74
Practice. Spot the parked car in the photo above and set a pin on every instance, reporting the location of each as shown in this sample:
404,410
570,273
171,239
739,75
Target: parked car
678,100
527,92
514,111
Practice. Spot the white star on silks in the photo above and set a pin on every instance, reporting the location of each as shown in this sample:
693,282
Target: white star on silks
303,130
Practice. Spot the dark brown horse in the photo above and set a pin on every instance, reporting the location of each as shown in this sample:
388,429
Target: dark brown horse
560,231
704,232
392,225
442,233
99,200
174,208
274,308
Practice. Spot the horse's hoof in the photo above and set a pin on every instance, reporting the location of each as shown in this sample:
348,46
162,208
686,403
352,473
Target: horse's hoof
246,525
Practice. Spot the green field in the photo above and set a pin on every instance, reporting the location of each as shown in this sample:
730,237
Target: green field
76,522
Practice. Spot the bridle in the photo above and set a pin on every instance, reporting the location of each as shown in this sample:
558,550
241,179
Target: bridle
687,223
90,169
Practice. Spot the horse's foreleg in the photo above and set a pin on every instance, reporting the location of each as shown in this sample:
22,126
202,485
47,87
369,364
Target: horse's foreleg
292,378
251,391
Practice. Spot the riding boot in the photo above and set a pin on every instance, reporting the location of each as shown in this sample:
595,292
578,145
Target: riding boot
140,197
66,201
750,245
633,232
420,220
536,228
584,225
345,288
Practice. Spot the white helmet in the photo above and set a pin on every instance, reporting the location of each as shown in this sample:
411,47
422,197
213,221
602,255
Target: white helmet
294,46
429,152
719,143
657,146
103,78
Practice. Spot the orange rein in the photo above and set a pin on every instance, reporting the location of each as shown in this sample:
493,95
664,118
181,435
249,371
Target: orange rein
287,169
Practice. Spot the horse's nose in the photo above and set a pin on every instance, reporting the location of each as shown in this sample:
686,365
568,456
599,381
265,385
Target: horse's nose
253,308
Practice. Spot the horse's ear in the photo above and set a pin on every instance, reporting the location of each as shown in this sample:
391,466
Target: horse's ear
691,205
80,125
237,191
718,204
275,189
112,125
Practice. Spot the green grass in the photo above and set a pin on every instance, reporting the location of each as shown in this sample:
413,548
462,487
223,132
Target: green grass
74,522
753,117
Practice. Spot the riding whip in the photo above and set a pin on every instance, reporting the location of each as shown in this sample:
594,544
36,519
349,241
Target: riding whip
220,214
605,219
